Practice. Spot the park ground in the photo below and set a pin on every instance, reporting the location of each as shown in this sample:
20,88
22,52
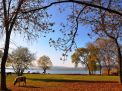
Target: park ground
53,82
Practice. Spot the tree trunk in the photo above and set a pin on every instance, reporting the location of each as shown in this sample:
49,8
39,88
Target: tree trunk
44,71
100,68
4,59
22,71
18,72
89,71
88,68
119,59
109,71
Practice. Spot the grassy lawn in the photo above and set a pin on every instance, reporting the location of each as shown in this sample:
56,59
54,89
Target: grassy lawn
50,82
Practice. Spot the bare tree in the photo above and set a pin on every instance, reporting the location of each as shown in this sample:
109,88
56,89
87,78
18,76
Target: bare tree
107,54
20,59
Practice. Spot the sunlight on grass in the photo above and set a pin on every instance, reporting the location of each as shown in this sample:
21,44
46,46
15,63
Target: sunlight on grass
53,77
73,77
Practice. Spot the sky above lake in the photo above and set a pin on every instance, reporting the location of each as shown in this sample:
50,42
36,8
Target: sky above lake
41,45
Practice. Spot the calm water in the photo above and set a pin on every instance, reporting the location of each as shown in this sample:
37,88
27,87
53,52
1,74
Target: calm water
54,71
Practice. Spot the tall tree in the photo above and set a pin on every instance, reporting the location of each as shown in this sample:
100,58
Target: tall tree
92,57
95,53
14,18
107,53
85,56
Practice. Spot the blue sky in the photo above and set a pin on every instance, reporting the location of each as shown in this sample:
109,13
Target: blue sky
41,46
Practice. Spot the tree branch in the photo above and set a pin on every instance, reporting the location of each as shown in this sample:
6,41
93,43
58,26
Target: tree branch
76,29
14,18
78,2
9,3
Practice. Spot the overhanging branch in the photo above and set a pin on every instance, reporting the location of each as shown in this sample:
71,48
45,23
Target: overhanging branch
78,2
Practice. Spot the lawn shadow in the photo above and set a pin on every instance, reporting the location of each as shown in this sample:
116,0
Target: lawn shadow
40,87
68,80
53,80
30,86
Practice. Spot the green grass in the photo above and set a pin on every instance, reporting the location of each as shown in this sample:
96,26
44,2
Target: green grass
64,78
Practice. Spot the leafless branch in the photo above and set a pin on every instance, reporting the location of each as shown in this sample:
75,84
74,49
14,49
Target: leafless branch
78,2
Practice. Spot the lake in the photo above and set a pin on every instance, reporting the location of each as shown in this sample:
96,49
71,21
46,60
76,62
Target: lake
55,71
